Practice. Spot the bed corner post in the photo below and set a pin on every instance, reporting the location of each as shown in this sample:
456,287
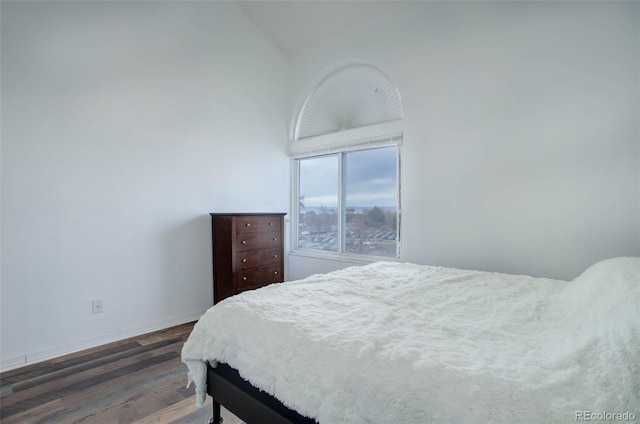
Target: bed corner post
216,419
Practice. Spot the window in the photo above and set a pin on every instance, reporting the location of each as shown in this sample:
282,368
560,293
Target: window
346,166
348,201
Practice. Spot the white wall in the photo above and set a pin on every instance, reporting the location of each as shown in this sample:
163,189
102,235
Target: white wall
123,125
521,141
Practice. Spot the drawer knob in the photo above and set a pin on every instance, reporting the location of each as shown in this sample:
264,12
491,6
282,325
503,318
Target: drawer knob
275,239
243,242
244,278
271,224
275,256
248,224
244,261
275,272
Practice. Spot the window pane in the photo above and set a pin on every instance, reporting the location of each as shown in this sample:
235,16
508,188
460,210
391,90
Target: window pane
371,202
318,208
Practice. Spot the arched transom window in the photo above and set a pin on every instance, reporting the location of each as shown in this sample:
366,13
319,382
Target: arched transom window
351,97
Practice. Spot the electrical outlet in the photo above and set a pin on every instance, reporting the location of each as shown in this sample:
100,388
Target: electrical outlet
96,306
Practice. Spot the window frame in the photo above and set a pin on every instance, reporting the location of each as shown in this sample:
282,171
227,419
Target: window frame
323,148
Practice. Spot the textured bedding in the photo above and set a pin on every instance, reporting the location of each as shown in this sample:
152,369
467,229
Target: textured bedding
404,343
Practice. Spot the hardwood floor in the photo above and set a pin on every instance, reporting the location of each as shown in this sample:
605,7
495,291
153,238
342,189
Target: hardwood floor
139,380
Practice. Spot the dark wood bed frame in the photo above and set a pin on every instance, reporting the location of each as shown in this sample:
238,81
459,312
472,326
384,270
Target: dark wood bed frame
245,401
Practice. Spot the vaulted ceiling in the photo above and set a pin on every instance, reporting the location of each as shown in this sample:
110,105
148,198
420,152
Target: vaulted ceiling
298,24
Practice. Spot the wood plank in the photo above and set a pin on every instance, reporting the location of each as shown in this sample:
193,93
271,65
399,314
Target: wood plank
24,417
138,380
179,331
47,368
84,405
176,411
158,395
5,391
65,369
187,412
64,379
82,385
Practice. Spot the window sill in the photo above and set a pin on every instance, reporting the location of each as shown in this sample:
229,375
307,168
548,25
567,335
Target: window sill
342,257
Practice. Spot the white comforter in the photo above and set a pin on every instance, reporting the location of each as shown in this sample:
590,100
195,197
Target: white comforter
403,343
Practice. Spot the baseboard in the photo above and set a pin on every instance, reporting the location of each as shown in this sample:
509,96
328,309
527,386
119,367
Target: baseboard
8,364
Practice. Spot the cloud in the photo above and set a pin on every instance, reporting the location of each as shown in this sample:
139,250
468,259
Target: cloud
371,178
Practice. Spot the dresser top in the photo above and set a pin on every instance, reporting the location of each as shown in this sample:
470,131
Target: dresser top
248,214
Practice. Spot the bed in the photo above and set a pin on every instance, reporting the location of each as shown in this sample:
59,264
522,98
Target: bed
396,342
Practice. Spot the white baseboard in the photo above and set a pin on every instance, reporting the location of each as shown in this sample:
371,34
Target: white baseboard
7,364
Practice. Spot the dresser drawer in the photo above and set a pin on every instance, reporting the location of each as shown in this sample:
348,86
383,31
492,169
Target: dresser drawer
256,258
249,278
252,241
256,224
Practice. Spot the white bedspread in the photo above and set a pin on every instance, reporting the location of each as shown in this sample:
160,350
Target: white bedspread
403,343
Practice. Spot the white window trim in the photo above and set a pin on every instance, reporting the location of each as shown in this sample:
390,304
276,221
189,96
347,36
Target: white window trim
353,139
344,141
342,257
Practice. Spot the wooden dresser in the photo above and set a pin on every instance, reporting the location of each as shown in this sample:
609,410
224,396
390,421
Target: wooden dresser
248,251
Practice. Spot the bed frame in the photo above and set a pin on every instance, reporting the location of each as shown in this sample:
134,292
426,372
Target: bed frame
245,401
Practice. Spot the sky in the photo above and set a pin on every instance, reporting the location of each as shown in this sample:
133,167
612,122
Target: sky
371,179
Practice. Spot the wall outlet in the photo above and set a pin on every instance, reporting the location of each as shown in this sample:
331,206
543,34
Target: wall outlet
96,306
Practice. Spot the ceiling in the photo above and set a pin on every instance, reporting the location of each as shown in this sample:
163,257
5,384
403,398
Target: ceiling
295,25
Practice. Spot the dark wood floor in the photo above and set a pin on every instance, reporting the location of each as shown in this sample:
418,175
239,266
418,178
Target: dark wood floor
139,380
